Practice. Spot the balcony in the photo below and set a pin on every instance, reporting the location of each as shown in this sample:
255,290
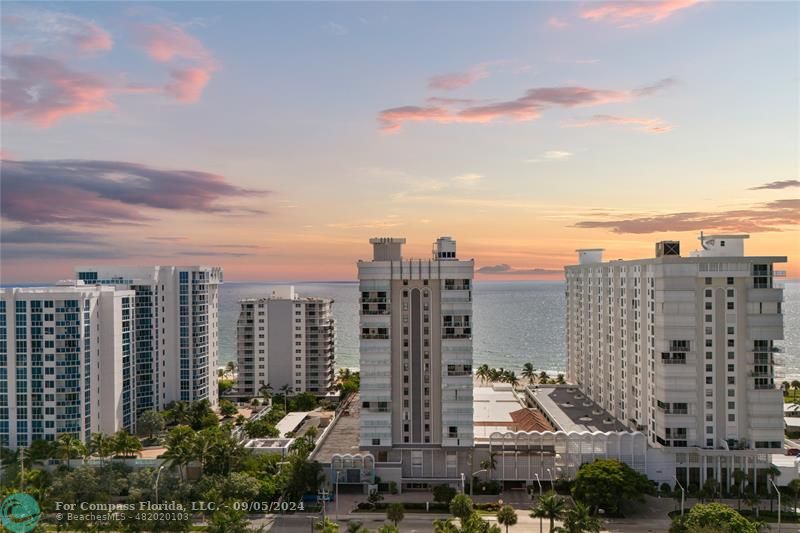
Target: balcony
375,336
375,312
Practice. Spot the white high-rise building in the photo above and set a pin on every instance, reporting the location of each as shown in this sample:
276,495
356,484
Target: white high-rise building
416,360
66,362
176,328
285,340
681,348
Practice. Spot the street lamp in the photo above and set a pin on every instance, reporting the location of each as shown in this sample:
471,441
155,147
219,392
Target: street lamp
471,483
337,494
158,475
550,473
779,502
683,493
540,484
462,483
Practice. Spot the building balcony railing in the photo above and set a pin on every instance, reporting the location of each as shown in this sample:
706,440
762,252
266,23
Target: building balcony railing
672,361
373,300
456,336
375,312
374,336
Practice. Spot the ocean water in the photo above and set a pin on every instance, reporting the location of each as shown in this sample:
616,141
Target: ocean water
515,322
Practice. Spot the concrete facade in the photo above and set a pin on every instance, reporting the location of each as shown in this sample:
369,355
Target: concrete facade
285,341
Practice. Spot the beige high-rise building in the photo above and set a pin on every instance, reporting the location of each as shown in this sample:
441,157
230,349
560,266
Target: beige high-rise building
285,340
681,348
416,360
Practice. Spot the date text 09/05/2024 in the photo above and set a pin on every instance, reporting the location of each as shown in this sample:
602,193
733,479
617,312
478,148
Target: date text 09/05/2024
195,507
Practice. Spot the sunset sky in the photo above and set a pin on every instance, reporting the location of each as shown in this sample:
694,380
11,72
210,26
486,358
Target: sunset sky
274,139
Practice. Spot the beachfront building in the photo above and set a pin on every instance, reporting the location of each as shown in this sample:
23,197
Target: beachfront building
416,362
683,349
176,325
285,341
66,362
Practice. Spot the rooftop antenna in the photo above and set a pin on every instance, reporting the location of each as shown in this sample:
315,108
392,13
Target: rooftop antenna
703,241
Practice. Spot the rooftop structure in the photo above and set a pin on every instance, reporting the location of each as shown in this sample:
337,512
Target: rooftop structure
568,409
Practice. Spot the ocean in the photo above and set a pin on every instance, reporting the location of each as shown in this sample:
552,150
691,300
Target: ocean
514,322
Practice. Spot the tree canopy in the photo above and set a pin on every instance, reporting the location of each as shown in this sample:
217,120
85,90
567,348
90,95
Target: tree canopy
610,485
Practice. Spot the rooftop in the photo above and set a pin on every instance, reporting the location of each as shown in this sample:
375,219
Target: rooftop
343,436
497,408
291,422
568,409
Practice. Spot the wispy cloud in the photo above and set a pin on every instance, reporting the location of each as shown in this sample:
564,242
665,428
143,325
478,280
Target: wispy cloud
171,43
457,80
102,192
527,107
649,125
771,216
634,13
506,269
467,178
781,184
552,155
50,31
557,23
336,29
43,90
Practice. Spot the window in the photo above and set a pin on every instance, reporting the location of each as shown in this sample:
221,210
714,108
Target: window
709,293
708,282
376,442
731,405
731,417
730,281
730,305
709,380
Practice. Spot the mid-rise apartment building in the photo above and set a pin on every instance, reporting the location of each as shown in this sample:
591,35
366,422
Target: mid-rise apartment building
66,362
681,348
176,324
285,341
416,360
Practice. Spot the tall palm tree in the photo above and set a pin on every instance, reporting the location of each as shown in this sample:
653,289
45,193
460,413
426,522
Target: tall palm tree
483,372
102,446
511,378
495,374
550,506
489,464
560,379
772,472
739,478
795,387
126,444
544,377
69,447
230,368
507,516
579,519
785,386
528,372
286,390
266,393
178,413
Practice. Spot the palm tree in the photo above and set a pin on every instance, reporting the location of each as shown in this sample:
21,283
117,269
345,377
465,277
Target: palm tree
794,490
230,369
528,372
69,447
550,506
178,413
495,374
102,446
489,464
796,387
511,378
753,501
579,519
126,444
180,448
738,480
785,386
772,472
311,434
266,393
544,378
354,526
483,372
286,390
507,516
445,526
560,379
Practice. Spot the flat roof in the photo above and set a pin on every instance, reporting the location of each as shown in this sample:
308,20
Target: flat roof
343,436
291,422
571,410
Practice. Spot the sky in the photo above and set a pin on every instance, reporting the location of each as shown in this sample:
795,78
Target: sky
274,139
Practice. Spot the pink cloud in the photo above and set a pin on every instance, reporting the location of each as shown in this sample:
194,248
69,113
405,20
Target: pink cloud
631,14
555,22
187,84
527,107
456,80
93,38
650,125
165,42
43,90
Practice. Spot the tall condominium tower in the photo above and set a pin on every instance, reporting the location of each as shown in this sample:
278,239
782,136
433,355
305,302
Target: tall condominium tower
285,340
176,328
66,362
416,359
682,348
